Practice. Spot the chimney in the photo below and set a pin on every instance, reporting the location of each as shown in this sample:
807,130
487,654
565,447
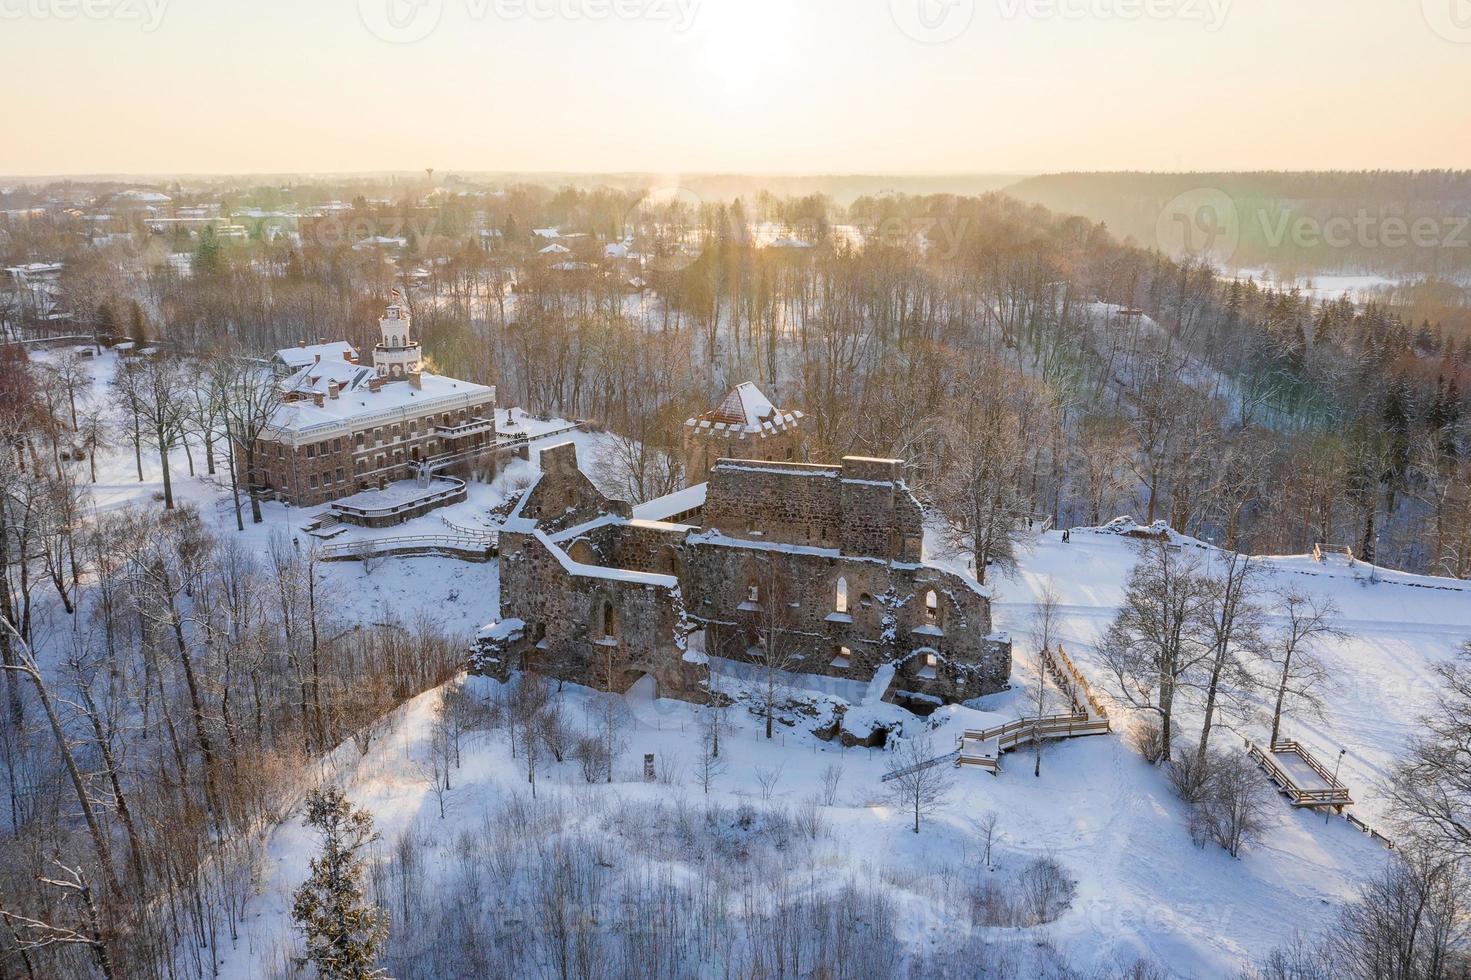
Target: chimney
374,384
416,380
301,343
317,399
316,358
332,389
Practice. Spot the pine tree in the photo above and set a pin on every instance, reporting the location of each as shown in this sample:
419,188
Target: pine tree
207,258
344,933
138,328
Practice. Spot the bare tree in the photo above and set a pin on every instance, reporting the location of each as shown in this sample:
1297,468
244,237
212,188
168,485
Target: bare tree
770,603
977,486
249,399
1431,788
1152,648
1045,618
26,665
708,766
1232,624
32,934
988,834
1299,673
918,788
832,776
767,777
155,389
1410,923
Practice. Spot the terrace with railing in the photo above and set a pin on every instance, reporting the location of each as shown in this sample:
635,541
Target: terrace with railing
1299,775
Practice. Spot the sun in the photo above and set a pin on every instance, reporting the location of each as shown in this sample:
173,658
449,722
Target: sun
748,45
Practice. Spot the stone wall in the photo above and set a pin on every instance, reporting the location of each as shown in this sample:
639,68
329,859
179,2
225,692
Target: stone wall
861,507
822,604
823,557
580,627
703,448
563,497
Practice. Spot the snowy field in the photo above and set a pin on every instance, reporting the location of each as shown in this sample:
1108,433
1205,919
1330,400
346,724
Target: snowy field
1111,820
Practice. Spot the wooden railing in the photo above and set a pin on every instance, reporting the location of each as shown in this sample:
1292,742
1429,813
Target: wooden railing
1335,794
451,545
1087,717
1079,689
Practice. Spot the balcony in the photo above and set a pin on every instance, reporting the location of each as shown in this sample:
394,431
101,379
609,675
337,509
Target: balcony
469,427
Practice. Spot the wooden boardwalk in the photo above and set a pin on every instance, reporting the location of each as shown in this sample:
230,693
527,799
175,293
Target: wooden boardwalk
1087,716
1299,775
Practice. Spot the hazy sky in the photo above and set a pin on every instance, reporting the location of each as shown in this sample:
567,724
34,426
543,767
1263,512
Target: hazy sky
791,86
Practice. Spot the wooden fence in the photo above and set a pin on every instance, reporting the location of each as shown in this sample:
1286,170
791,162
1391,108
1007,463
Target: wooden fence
1335,794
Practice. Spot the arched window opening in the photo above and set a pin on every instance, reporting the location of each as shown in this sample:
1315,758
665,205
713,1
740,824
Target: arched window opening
931,606
842,658
753,593
610,625
841,600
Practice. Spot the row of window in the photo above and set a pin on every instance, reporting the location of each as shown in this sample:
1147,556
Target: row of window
394,433
840,599
327,480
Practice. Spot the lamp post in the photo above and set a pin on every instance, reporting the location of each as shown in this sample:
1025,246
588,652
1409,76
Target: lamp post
1336,766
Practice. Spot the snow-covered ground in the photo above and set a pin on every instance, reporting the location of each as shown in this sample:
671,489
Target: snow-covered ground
1110,819
1143,888
1358,288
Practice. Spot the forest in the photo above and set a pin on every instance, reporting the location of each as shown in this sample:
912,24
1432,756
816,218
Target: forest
170,685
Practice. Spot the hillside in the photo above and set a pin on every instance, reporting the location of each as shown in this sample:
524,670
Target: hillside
1290,222
1111,821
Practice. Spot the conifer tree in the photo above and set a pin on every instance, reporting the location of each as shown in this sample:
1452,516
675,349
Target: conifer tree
344,933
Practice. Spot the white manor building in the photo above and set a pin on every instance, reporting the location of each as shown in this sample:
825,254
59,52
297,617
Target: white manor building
346,427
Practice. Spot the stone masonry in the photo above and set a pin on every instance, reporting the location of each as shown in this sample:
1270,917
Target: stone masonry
823,560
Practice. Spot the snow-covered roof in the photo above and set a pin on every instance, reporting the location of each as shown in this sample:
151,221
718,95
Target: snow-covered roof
555,249
299,357
670,505
361,406
316,378
745,409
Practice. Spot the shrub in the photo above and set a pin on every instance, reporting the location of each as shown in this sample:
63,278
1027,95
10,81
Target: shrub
1149,738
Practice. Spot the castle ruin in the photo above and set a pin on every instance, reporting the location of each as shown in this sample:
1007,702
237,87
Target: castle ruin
824,560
